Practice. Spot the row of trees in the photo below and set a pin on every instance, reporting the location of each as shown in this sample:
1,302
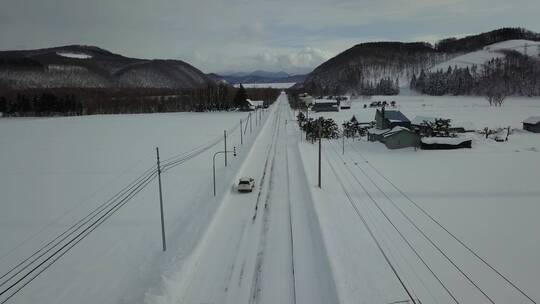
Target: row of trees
318,128
515,74
353,129
124,101
45,104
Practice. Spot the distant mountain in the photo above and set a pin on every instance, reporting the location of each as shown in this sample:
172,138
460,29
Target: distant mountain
77,66
258,77
364,66
267,74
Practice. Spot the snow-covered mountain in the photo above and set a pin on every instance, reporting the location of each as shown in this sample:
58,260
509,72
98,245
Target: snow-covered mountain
492,51
361,68
92,67
258,77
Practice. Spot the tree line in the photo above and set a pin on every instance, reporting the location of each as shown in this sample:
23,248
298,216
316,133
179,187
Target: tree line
72,101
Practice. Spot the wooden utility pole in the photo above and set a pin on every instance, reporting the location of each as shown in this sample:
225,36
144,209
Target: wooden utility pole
161,202
241,137
320,161
225,141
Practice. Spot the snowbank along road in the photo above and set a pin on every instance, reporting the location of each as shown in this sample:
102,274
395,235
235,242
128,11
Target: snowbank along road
265,246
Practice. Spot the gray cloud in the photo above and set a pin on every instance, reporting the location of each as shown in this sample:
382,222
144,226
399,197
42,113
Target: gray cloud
225,35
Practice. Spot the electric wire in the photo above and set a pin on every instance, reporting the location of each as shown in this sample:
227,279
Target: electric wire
117,201
409,244
357,211
462,243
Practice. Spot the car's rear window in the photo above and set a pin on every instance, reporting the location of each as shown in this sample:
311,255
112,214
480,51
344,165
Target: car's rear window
243,183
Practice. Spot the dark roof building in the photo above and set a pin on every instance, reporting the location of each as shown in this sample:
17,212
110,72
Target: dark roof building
390,119
326,105
532,124
399,138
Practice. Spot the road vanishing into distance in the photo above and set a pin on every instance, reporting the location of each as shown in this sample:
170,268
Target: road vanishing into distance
265,246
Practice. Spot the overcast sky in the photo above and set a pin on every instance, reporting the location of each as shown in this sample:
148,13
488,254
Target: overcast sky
244,35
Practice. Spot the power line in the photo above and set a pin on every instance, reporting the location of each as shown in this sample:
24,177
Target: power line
79,237
71,230
397,230
371,233
117,201
484,261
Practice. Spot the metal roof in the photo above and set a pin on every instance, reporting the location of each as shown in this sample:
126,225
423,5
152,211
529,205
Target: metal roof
532,120
395,116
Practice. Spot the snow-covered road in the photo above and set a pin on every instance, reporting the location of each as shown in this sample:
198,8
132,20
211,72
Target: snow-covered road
265,246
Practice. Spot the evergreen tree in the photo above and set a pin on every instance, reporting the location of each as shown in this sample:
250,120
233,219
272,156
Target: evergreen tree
240,100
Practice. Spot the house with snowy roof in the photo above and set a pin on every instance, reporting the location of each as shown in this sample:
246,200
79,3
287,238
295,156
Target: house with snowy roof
532,124
392,128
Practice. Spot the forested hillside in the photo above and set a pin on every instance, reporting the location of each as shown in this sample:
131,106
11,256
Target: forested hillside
381,68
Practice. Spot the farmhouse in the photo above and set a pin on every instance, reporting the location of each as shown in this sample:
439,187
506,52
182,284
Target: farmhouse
325,105
306,99
390,119
400,137
532,124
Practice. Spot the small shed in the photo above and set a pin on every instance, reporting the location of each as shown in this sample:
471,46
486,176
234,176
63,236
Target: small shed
400,137
445,143
532,124
390,119
375,134
256,103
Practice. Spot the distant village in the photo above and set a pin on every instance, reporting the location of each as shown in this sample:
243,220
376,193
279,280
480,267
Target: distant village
395,130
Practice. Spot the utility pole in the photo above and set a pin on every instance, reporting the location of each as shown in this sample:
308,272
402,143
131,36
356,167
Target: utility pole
343,145
225,141
320,161
250,130
161,202
241,137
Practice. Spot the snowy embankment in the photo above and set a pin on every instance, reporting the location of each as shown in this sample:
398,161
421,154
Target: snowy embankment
54,171
486,197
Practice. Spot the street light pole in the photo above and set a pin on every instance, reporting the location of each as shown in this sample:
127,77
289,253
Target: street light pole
214,164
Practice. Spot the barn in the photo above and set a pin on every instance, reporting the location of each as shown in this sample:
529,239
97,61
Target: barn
532,124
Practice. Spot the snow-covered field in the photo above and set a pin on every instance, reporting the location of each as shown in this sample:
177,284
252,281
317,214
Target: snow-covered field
54,171
288,241
486,196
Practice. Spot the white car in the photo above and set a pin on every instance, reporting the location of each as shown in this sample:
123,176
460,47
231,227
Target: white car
246,184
